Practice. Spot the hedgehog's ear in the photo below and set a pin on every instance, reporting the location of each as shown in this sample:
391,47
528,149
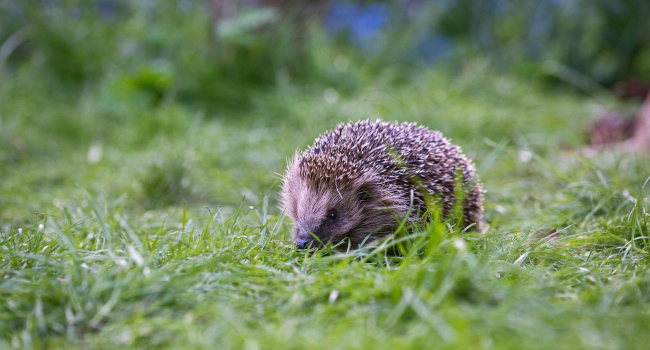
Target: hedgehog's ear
365,193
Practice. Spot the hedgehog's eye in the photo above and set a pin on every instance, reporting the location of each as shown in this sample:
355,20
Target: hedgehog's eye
331,215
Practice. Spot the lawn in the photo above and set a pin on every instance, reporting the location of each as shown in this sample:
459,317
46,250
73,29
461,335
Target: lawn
132,221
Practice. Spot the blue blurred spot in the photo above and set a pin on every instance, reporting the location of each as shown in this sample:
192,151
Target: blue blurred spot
362,23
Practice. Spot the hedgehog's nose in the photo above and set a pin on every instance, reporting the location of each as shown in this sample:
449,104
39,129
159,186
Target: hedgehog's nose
303,242
304,238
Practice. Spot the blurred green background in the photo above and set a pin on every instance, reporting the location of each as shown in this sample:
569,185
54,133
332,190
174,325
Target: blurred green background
142,145
143,76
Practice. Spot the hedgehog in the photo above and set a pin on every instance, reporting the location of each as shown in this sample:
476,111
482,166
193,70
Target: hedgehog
362,180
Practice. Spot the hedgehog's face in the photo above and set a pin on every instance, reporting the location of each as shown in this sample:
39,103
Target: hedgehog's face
326,215
323,214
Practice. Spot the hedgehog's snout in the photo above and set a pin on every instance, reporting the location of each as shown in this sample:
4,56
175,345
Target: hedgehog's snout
304,238
302,243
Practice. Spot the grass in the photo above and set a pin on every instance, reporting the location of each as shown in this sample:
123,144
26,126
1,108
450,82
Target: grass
128,224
